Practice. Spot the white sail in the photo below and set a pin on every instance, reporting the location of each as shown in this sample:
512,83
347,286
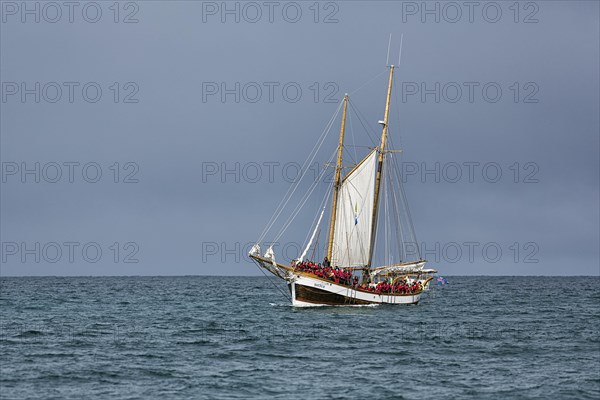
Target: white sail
354,215
311,238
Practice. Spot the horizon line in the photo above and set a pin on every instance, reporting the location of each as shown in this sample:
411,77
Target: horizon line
255,276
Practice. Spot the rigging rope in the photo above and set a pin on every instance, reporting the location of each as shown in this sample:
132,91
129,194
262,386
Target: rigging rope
353,140
273,283
361,118
399,231
386,218
401,185
322,205
368,81
300,205
292,189
405,204
313,236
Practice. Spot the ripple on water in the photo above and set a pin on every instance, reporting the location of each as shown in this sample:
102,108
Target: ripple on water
204,337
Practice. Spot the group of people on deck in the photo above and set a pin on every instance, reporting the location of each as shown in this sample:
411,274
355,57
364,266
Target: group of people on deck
336,274
400,288
345,277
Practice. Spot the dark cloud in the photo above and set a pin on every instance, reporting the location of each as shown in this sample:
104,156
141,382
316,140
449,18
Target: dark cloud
541,132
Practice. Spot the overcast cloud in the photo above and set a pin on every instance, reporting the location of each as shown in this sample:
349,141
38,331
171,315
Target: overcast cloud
161,132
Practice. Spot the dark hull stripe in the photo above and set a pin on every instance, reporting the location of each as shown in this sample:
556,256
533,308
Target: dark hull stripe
317,296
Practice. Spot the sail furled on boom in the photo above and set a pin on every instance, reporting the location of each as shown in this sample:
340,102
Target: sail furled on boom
353,223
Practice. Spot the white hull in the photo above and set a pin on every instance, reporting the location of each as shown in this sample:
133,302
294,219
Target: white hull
312,291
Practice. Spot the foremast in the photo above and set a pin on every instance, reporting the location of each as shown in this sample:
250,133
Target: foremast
338,181
381,151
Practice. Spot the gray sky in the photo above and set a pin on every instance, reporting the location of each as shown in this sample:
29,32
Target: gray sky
163,118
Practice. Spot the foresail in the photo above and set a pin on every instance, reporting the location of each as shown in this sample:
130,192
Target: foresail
354,215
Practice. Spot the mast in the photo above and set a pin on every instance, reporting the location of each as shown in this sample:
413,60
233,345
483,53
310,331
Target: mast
380,165
338,181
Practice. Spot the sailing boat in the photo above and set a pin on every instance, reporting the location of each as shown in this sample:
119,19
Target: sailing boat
353,228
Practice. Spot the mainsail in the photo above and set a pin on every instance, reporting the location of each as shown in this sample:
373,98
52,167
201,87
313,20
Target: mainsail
354,215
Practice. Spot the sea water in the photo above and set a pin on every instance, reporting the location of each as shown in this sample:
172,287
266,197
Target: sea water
238,337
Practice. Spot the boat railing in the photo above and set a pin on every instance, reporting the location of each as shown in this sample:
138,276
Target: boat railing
352,286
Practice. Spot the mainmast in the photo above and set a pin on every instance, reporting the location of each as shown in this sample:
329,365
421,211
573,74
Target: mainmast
338,181
381,151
